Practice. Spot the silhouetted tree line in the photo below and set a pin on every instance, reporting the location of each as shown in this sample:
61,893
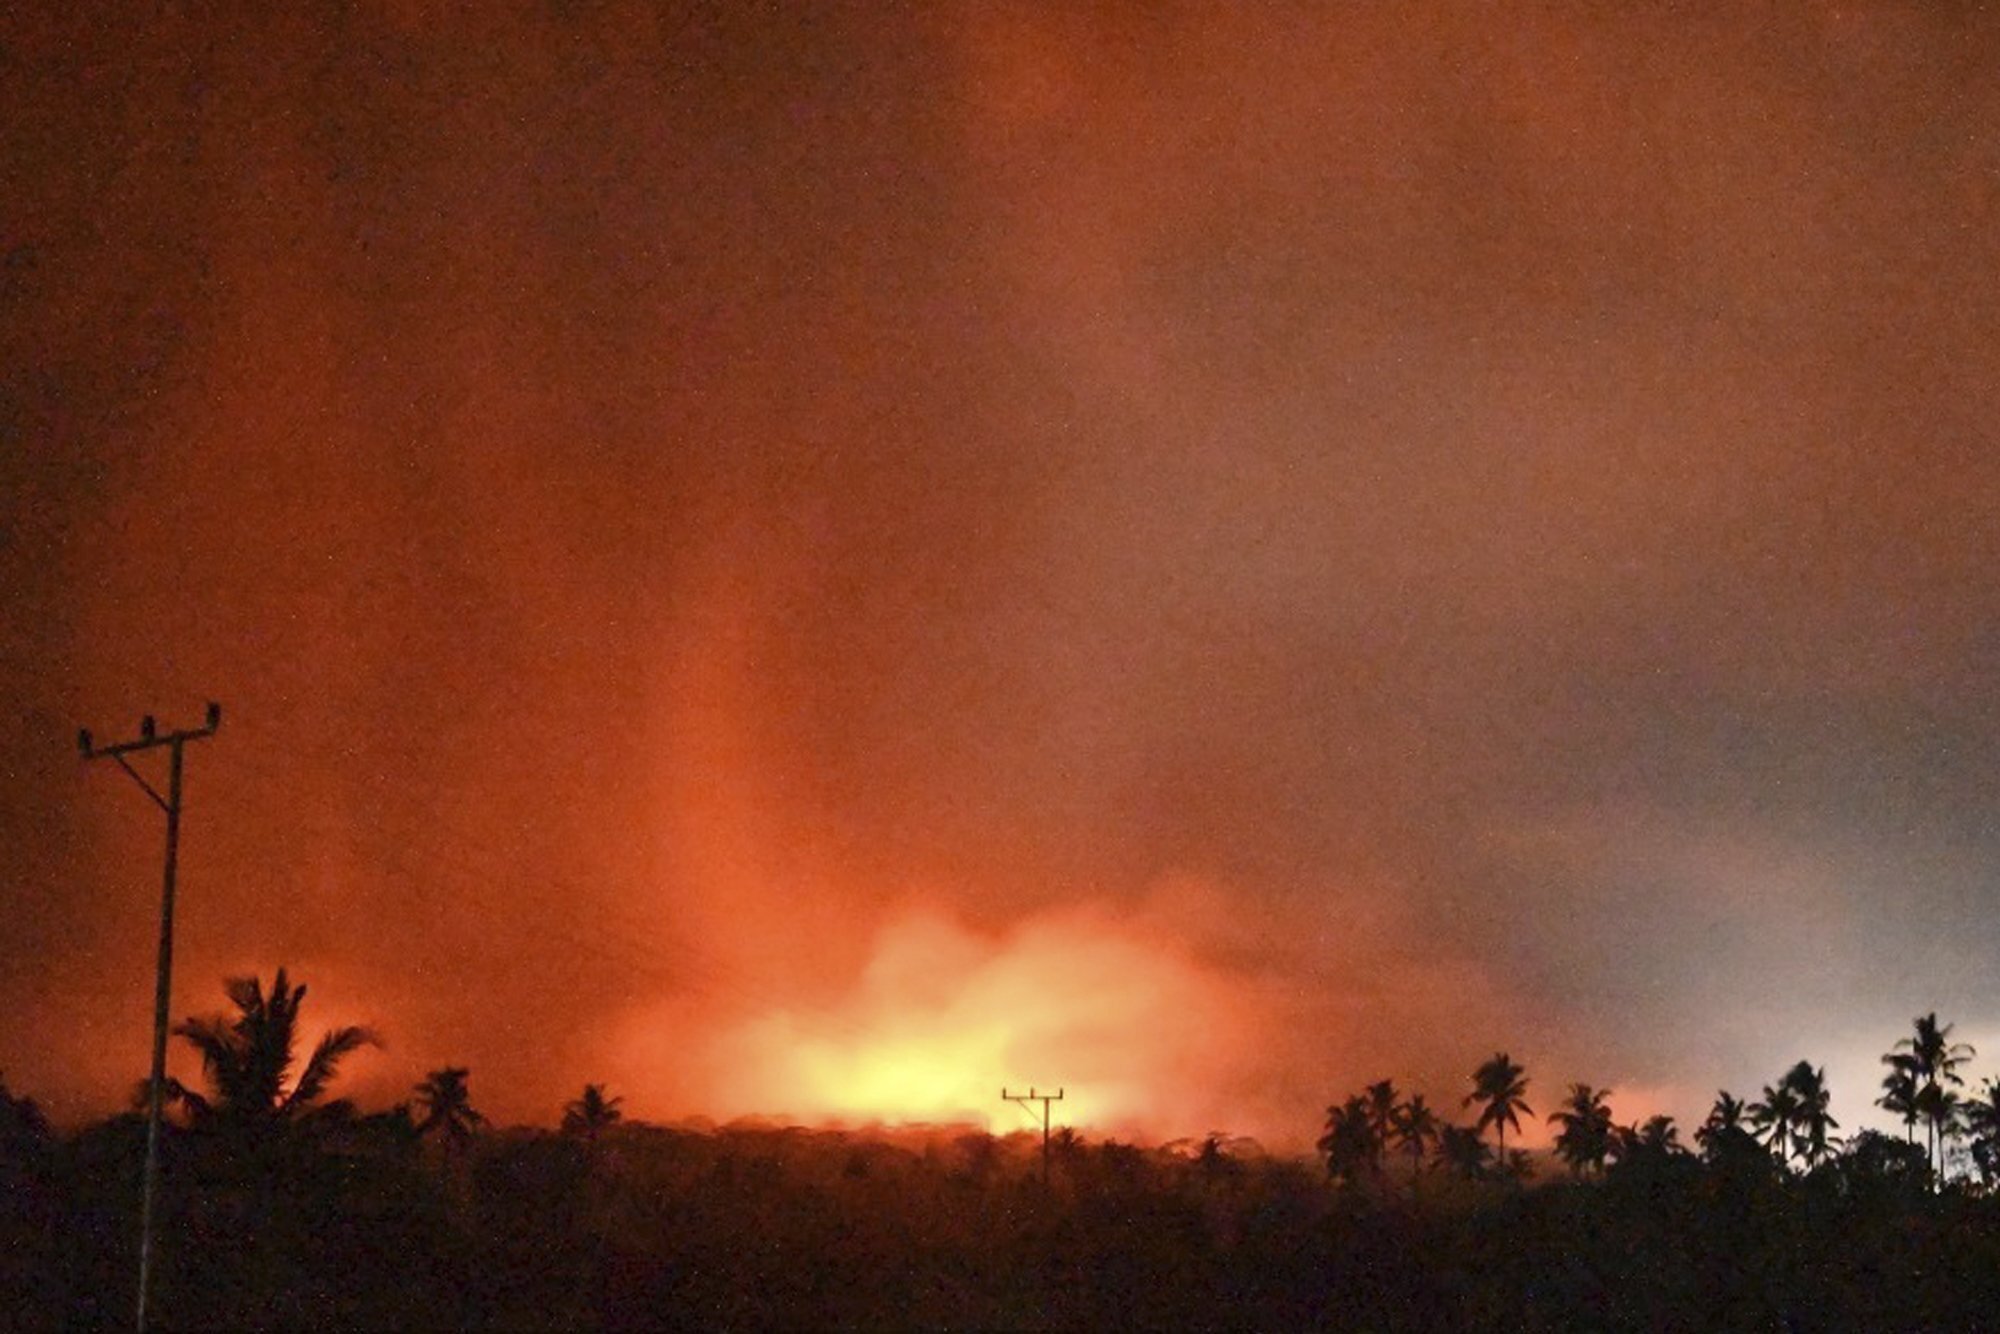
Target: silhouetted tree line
284,1207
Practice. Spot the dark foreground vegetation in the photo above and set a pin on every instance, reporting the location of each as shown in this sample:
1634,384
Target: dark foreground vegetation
364,1223
283,1210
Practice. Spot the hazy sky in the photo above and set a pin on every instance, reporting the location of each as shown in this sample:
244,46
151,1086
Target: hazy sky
819,559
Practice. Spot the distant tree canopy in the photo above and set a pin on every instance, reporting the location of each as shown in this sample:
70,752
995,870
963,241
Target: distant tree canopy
1359,1133
23,1127
1789,1129
791,1227
1428,1225
1982,1124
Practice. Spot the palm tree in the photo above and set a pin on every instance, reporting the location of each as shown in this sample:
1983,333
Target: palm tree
247,1059
1461,1150
591,1114
1647,1147
1810,1120
1416,1125
1726,1115
1660,1136
1381,1097
447,1106
1723,1137
1500,1086
1982,1122
1775,1114
1943,1114
1349,1142
1585,1138
1934,1060
1899,1091
1937,1056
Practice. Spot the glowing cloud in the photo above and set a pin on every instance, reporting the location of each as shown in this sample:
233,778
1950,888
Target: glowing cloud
943,1015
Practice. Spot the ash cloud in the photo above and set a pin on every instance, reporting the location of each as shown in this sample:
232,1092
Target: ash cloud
659,492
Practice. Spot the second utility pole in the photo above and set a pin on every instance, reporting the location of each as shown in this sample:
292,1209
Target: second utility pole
163,975
1044,1099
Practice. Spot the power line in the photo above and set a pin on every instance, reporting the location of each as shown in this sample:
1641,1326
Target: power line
1044,1099
149,738
596,927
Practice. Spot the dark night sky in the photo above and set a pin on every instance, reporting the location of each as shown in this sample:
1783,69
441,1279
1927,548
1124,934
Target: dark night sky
768,557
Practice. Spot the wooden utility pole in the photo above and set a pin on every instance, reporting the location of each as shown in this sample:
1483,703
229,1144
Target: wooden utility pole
1044,1099
150,737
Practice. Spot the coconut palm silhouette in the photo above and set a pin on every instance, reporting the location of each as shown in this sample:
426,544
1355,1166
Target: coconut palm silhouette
1899,1092
247,1058
1349,1144
1933,1063
1982,1122
1776,1116
447,1106
591,1114
1381,1097
1462,1152
1811,1120
1501,1088
1416,1127
1585,1138
1725,1137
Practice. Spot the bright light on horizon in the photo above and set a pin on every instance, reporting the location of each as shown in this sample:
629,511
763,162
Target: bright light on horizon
944,1016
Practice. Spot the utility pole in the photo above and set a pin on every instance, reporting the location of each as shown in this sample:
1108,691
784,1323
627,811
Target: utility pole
1044,1099
149,738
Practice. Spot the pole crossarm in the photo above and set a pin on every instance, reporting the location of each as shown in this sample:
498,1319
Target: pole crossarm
1023,1099
93,751
150,738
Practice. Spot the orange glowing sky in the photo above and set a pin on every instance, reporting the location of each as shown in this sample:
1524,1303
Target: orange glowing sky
821,563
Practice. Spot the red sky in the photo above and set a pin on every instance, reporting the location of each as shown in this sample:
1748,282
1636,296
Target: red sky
1262,549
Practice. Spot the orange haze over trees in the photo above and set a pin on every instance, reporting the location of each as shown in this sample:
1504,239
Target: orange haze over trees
822,564
818,562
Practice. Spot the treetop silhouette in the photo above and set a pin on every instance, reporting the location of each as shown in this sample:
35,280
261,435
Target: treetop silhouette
591,1114
1585,1139
446,1100
1501,1087
247,1058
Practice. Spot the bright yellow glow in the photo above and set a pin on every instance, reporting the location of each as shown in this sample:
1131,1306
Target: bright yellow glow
934,1076
943,1017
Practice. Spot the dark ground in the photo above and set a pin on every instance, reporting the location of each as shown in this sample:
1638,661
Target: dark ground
360,1223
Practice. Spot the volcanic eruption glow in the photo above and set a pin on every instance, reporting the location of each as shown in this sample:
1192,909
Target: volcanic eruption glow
743,551
943,1015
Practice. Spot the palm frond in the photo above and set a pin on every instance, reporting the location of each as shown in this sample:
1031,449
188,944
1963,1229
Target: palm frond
177,1094
222,1056
246,993
325,1059
285,1000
